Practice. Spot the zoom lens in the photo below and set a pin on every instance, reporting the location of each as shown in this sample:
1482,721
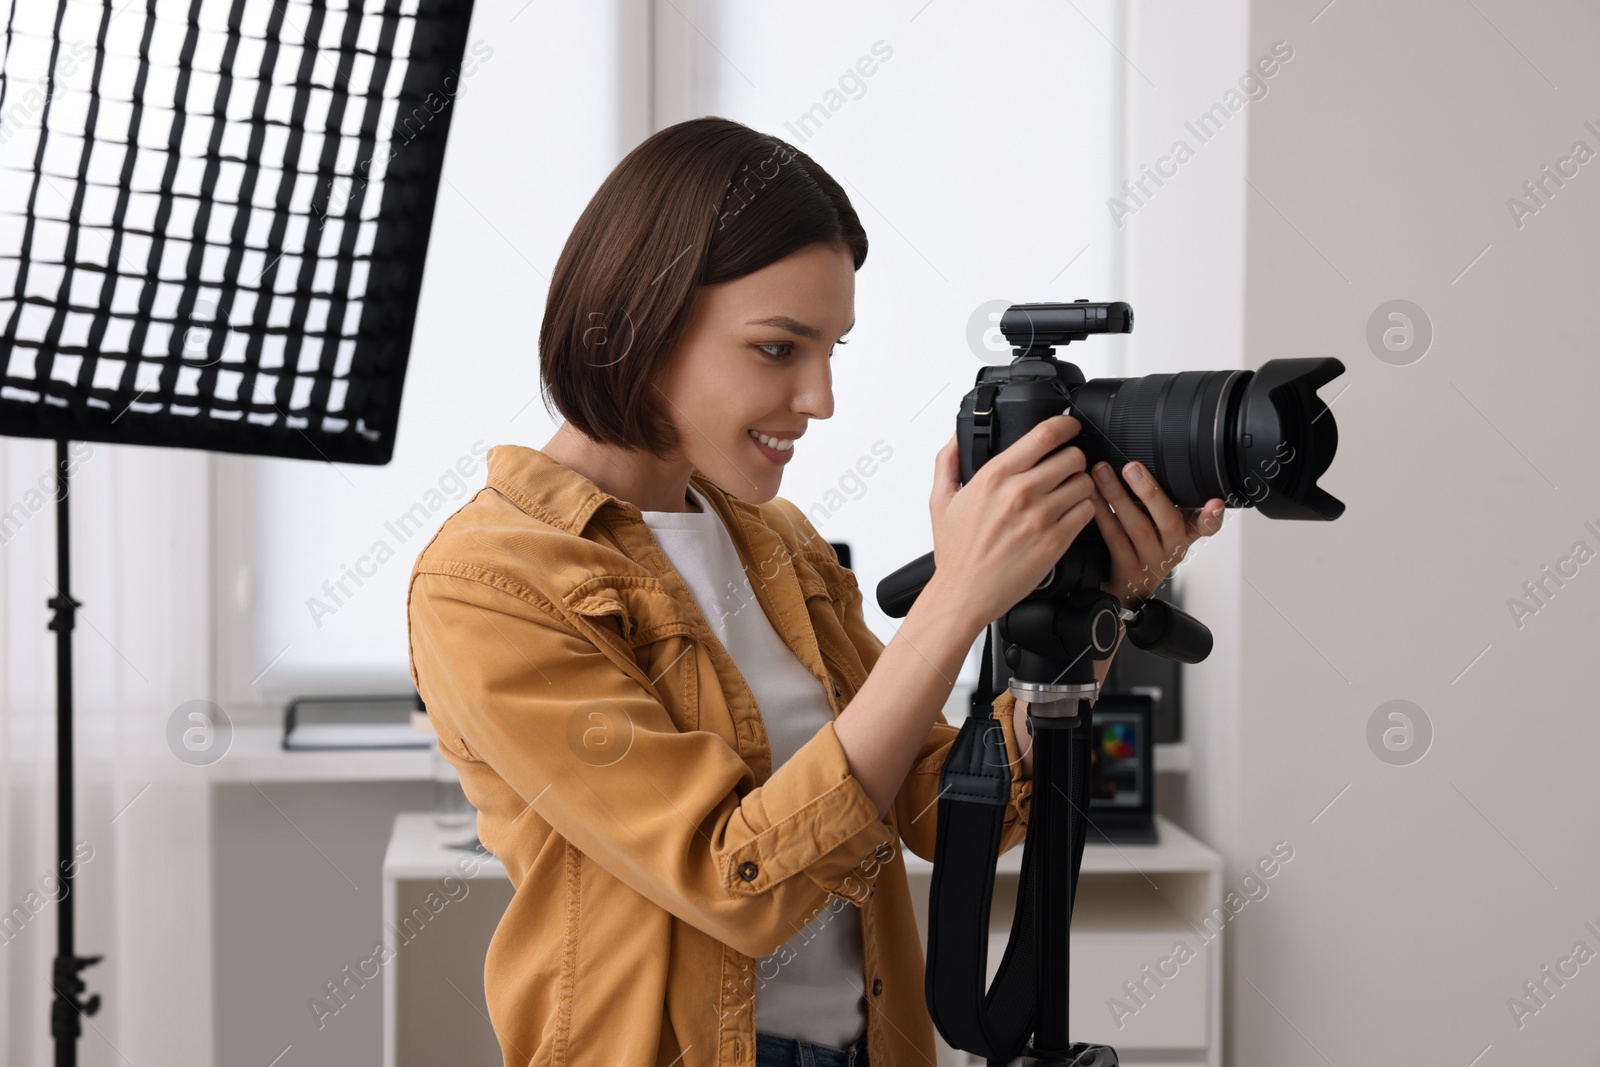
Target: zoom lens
1254,438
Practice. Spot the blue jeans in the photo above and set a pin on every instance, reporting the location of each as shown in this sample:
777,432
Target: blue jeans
775,1051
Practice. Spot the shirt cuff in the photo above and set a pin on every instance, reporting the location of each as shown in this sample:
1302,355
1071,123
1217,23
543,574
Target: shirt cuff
822,824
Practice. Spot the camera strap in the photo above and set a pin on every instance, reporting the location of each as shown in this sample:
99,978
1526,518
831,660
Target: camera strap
974,789
982,438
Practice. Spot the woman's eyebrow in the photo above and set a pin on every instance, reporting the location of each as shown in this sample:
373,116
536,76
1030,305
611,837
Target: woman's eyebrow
794,326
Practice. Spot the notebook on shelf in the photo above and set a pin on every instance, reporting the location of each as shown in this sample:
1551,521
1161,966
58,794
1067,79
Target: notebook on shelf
351,722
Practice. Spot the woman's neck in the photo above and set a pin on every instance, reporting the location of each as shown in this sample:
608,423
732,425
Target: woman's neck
645,481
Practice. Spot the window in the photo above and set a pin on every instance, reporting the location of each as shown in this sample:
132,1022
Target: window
977,147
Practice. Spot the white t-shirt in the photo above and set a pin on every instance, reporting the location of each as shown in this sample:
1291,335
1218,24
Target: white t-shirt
811,987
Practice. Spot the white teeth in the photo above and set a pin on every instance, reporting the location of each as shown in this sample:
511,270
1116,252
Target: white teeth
772,442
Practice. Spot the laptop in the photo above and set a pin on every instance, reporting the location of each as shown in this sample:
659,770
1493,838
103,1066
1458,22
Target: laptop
1122,769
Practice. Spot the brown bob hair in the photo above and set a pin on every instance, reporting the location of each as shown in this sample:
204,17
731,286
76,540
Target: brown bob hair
698,203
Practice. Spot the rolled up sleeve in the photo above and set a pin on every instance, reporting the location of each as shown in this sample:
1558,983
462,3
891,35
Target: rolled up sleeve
915,807
674,814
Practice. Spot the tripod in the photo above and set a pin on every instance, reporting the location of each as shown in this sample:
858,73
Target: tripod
1060,719
1251,437
1050,643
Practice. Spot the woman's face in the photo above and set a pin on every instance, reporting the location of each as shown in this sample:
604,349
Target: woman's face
755,356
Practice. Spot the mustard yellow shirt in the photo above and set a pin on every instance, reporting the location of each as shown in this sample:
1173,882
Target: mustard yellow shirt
621,772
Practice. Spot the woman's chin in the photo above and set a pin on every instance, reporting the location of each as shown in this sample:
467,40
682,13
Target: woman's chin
757,490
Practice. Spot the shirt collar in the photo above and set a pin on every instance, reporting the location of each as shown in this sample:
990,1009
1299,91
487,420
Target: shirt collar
557,494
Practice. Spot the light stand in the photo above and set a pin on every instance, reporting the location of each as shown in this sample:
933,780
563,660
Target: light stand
213,226
66,983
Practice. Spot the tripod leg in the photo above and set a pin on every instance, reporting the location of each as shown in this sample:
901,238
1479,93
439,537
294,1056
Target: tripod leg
1062,764
1054,875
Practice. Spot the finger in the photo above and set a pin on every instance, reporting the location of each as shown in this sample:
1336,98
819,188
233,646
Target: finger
1207,520
1115,537
946,473
1124,556
1131,515
950,465
1163,512
1054,469
1026,451
1191,522
1078,489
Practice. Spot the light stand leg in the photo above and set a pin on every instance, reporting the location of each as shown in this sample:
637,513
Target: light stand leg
66,985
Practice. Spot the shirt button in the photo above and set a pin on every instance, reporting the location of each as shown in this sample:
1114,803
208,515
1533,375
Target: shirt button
748,871
633,626
877,987
885,850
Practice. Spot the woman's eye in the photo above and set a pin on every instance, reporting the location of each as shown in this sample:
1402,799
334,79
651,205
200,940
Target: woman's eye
787,346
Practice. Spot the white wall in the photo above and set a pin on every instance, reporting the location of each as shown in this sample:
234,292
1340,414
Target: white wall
1184,241
977,148
1379,168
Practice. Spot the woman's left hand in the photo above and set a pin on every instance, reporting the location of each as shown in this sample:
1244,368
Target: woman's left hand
1148,541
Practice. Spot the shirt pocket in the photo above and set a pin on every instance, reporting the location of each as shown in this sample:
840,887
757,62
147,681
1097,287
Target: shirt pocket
637,623
827,587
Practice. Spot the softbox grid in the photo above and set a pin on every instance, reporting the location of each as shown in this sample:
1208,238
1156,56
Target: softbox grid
214,218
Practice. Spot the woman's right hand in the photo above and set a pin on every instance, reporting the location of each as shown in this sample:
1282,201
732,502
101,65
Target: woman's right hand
997,537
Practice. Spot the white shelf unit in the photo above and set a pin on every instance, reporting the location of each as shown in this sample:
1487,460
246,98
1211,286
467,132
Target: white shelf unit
344,802
439,950
1134,904
256,754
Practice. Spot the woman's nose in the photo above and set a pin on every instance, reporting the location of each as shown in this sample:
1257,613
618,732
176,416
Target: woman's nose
816,399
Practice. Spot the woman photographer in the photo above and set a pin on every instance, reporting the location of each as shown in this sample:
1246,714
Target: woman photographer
694,758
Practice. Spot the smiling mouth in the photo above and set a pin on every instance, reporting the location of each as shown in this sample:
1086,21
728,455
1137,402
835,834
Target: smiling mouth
772,455
777,444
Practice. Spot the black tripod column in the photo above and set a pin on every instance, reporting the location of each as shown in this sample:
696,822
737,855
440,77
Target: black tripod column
65,1025
1060,798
